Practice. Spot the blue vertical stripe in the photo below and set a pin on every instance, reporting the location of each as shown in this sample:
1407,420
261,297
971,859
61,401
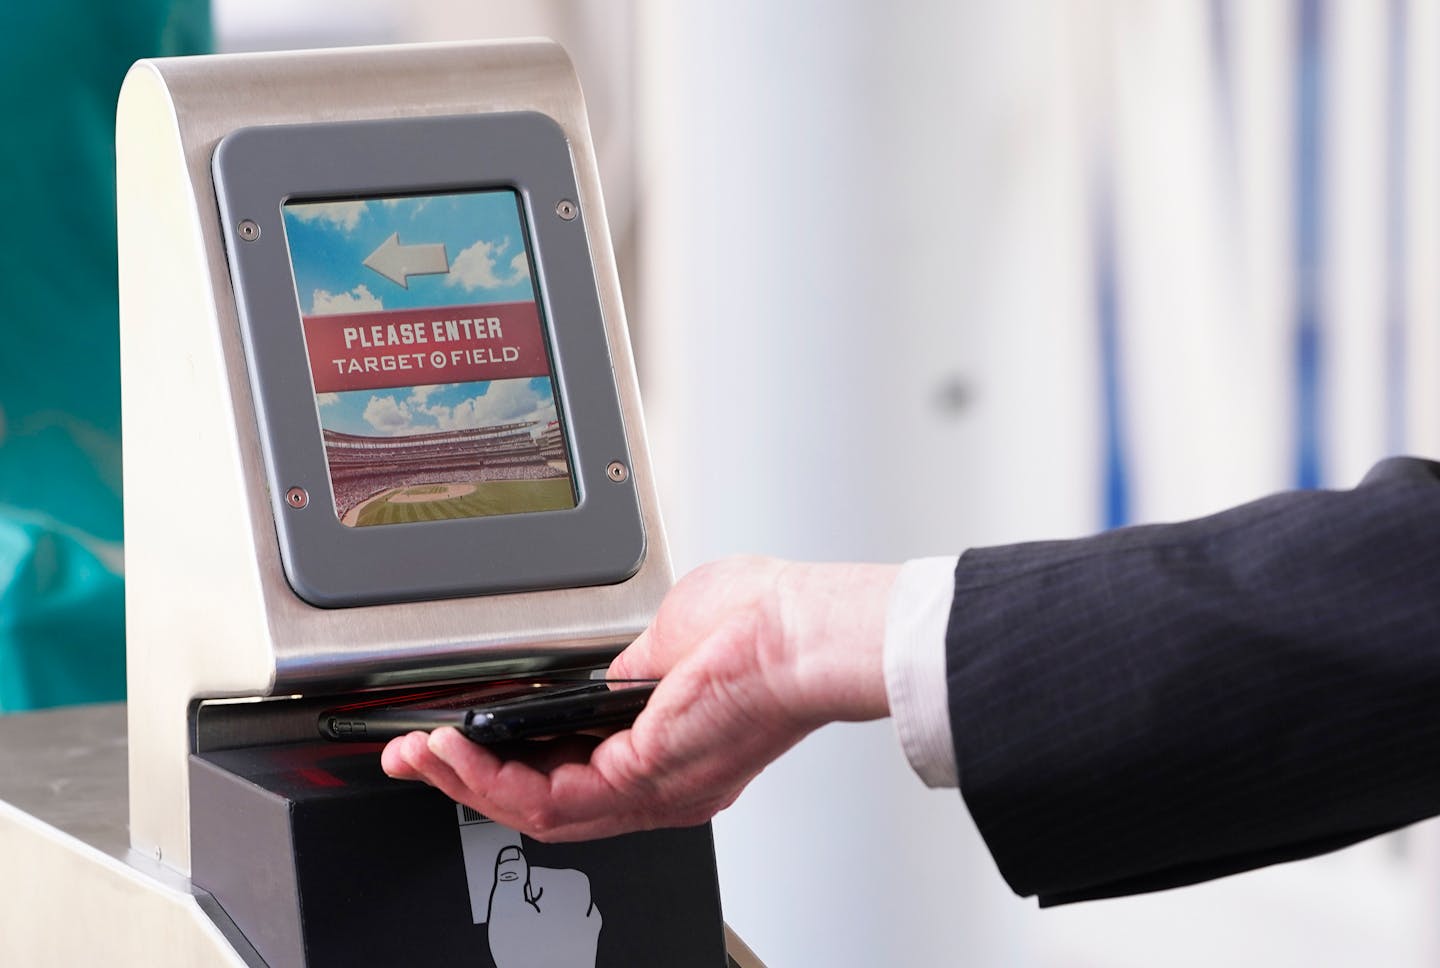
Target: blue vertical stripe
1116,488
1395,276
1309,184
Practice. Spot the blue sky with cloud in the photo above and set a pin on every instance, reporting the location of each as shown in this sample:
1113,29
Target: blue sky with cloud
429,409
481,232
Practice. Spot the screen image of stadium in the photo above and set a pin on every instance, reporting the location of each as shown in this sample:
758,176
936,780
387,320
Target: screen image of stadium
432,373
494,468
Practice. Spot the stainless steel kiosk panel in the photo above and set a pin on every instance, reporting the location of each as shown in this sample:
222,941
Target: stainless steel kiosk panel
211,612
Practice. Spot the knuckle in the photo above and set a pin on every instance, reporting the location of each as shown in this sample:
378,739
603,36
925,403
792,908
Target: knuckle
539,820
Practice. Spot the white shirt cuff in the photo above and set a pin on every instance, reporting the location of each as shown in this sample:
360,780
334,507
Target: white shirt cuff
915,624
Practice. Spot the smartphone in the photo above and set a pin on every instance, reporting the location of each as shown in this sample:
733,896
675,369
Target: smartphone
494,712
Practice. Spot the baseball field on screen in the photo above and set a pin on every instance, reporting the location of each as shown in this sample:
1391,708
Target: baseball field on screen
405,505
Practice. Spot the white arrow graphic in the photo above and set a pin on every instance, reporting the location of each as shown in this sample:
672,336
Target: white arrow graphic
398,262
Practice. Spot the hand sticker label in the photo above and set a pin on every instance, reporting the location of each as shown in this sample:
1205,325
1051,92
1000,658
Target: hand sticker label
538,917
541,917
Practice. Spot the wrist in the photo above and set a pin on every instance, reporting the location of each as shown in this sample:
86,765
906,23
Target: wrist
833,624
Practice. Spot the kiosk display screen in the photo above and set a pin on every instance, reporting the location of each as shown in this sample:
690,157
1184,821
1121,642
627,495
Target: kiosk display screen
435,396
431,370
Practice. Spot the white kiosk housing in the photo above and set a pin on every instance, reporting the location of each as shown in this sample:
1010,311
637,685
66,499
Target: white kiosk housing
267,577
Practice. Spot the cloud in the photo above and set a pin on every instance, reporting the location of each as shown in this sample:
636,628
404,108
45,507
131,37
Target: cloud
387,416
506,401
474,268
407,411
326,399
357,300
342,215
420,395
417,205
520,267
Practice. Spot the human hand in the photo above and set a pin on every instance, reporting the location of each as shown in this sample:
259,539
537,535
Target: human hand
541,917
753,654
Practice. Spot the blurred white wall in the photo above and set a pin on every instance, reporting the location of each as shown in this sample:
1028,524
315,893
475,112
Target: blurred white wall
866,250
837,200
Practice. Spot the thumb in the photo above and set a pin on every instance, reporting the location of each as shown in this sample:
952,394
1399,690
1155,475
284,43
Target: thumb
636,662
511,892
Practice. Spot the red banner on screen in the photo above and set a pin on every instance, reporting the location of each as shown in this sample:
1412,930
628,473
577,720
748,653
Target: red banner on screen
414,347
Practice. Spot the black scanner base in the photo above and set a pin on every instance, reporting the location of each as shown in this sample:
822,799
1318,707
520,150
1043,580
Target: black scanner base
322,861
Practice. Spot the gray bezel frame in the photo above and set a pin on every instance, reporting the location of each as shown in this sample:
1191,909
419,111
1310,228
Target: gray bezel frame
599,541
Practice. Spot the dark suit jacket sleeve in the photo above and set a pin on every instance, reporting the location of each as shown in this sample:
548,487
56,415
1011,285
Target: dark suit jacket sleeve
1160,705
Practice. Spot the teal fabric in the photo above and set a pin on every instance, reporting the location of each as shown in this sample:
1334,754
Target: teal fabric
62,621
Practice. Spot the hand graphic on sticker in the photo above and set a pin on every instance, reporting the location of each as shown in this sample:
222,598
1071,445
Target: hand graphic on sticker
541,917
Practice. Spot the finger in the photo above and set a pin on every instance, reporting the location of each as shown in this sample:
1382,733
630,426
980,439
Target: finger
436,772
507,789
412,759
589,803
547,754
436,769
393,762
613,791
511,893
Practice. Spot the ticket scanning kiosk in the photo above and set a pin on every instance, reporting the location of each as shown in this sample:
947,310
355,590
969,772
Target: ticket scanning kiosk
381,431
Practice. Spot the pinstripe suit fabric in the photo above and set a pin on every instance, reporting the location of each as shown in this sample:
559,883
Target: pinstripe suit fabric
1160,705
